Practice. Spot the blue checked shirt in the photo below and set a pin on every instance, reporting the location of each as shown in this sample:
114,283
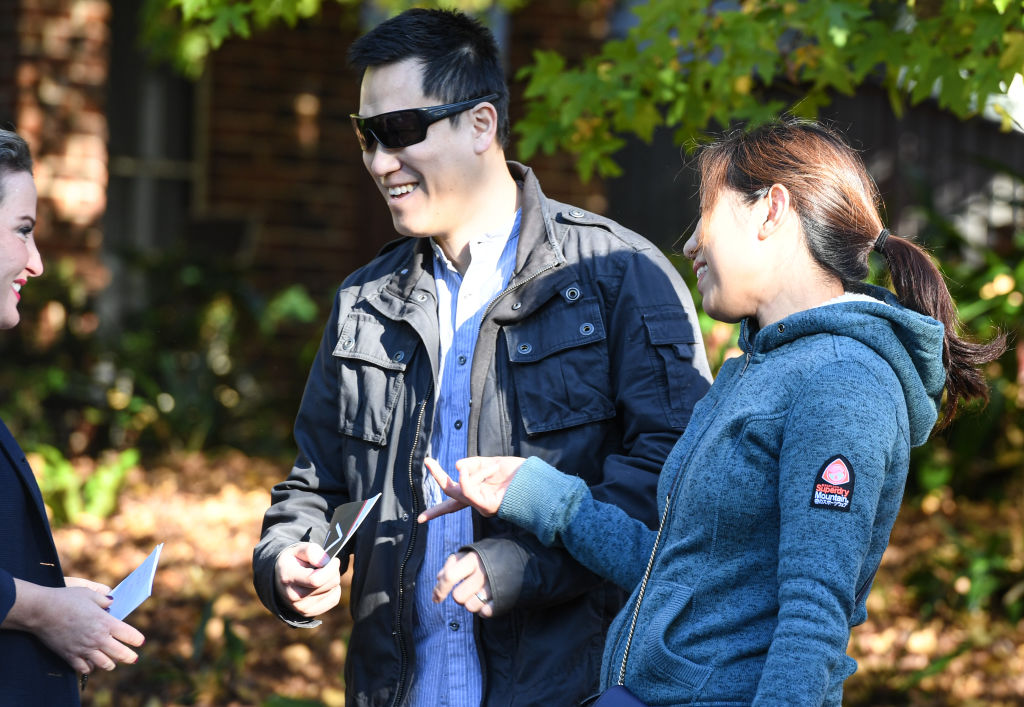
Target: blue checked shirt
447,665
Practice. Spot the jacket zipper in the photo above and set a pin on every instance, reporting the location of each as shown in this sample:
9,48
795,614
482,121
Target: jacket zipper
516,287
404,665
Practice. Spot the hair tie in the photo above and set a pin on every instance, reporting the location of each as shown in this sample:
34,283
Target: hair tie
883,236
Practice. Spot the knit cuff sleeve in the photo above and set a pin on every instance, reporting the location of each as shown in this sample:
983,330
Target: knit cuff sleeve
542,499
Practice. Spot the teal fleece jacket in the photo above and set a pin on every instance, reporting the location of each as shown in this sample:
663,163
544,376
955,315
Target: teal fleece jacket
781,496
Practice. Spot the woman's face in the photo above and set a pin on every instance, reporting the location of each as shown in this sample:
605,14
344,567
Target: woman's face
19,258
726,257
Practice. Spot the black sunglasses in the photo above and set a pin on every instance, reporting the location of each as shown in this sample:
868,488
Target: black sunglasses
401,128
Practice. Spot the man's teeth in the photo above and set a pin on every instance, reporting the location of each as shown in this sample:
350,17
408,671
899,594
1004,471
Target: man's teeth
398,191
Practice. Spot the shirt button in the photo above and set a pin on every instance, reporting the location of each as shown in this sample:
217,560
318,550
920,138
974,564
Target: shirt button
462,360
458,424
454,625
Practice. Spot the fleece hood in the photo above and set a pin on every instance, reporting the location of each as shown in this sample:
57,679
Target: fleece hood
910,342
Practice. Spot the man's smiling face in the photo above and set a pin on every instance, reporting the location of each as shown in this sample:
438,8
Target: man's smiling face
425,185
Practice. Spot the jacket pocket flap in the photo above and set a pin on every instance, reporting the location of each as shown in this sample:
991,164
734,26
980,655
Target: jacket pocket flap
366,338
668,327
554,330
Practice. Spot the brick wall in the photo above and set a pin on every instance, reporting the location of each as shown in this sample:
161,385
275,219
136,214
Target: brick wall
53,72
281,157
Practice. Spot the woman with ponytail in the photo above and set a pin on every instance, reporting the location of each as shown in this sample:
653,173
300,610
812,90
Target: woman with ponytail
778,501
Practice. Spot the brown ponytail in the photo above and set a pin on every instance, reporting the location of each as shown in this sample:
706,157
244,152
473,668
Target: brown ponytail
920,286
838,204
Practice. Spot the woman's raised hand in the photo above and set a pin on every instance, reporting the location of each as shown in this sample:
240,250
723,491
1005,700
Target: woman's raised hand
482,484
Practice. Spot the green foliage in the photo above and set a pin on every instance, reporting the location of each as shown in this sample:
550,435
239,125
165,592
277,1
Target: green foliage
972,570
69,495
197,365
184,32
689,63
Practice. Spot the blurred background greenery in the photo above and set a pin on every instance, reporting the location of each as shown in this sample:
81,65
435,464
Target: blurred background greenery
205,364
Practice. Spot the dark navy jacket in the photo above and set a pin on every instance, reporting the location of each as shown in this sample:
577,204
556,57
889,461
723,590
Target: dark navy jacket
30,673
590,359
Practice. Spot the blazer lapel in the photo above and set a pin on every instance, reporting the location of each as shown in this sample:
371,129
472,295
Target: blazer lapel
17,461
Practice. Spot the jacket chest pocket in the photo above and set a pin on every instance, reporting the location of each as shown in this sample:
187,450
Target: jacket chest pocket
559,363
372,356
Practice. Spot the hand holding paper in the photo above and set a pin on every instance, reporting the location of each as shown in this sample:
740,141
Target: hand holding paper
346,520
136,587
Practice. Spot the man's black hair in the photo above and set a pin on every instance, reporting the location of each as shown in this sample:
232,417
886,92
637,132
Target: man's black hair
459,56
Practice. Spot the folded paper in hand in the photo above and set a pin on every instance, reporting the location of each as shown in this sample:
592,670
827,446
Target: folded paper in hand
346,520
136,587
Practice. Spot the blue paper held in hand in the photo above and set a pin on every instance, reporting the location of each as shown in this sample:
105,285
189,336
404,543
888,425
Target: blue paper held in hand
136,587
346,520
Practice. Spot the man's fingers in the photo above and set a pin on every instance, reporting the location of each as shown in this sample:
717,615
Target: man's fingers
311,554
449,505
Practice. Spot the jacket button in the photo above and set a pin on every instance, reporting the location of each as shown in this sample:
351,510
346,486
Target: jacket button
572,294
517,305
405,516
586,328
782,328
398,357
421,297
576,213
525,348
347,344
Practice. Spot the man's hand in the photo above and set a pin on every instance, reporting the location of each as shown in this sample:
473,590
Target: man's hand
303,585
74,624
482,485
463,577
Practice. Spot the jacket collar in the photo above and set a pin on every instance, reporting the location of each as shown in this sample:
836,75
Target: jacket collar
539,250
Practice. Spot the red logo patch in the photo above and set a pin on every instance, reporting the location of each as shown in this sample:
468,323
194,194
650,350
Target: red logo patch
836,473
834,484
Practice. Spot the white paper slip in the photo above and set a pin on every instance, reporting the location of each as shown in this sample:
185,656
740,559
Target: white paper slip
136,587
346,520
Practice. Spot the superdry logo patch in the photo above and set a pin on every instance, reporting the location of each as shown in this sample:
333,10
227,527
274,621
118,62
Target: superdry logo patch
833,487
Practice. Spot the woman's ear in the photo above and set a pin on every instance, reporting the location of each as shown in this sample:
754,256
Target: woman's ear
484,123
779,211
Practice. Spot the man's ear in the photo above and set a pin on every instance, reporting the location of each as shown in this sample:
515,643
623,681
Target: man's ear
779,210
484,124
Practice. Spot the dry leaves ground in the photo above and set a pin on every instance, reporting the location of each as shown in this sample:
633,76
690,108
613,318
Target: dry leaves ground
210,642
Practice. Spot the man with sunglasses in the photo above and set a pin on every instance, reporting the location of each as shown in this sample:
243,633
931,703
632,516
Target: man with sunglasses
502,323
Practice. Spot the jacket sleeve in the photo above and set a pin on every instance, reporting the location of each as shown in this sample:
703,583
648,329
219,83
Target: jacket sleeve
301,504
845,421
557,507
658,372
7,593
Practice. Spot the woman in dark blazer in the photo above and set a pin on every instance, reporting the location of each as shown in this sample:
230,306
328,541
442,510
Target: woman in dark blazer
52,627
